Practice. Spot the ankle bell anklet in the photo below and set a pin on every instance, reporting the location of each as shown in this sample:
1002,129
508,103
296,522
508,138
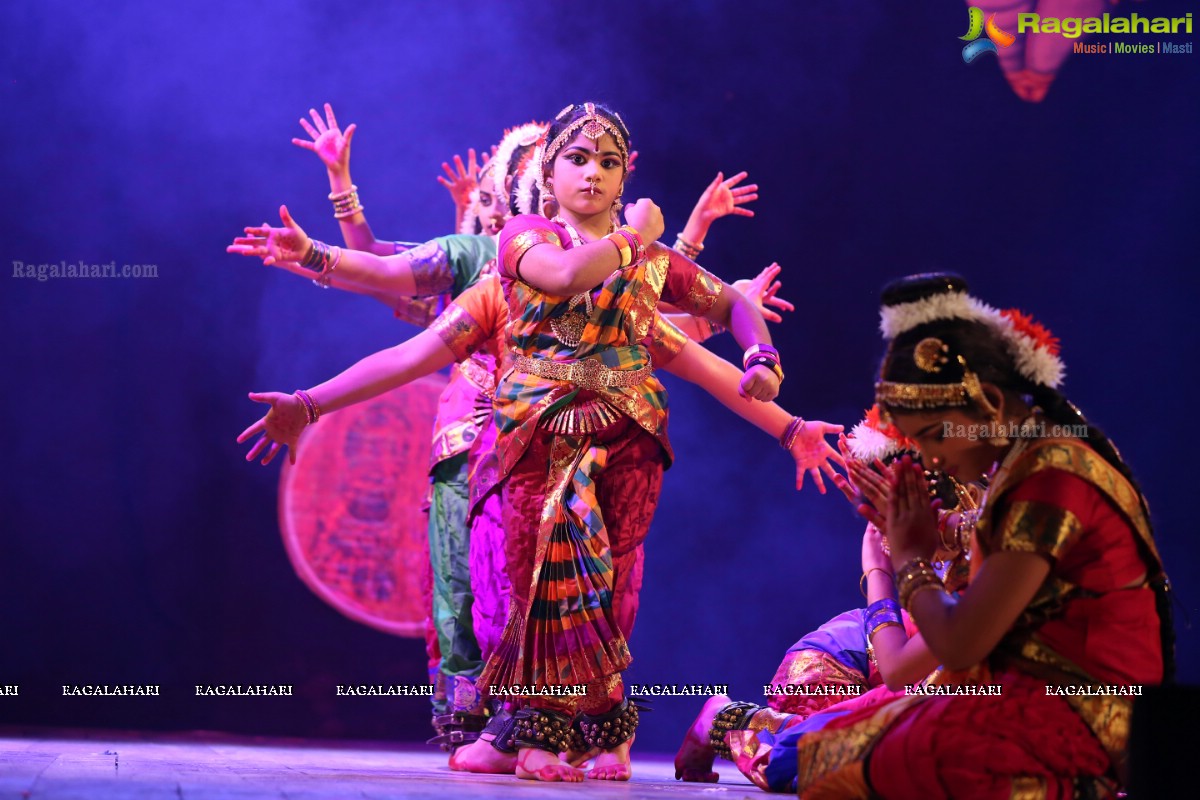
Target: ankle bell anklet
541,728
732,717
612,728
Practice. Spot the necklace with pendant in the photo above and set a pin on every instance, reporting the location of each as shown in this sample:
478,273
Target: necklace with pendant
568,328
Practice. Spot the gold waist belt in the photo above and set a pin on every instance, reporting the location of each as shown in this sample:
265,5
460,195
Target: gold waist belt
586,374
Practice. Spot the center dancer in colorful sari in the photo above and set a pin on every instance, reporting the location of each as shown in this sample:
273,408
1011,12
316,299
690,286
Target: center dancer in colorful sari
581,433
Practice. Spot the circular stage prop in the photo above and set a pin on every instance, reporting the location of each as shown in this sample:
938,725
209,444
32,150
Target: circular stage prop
352,508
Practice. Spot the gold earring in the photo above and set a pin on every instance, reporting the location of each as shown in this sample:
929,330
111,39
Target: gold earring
996,423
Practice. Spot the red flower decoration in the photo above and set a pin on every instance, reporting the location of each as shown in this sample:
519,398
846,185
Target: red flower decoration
874,419
1035,330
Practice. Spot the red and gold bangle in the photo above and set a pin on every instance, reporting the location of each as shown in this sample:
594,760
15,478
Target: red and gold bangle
326,274
624,250
791,432
635,242
311,410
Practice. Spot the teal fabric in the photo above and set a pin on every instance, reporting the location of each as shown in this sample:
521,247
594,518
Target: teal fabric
468,256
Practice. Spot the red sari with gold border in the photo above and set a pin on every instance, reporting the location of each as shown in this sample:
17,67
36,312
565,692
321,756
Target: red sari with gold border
1093,623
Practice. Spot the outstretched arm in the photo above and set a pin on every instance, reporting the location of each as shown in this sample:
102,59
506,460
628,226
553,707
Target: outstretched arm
761,290
377,373
385,278
720,379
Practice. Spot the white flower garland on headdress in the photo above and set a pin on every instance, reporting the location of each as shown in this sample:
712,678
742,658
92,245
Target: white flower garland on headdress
1034,359
897,319
520,136
868,441
867,444
527,182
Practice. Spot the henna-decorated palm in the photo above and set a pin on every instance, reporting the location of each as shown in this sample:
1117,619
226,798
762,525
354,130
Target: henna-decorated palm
327,140
761,290
281,427
812,453
283,247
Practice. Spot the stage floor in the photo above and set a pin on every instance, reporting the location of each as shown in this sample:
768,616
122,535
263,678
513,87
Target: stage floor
89,766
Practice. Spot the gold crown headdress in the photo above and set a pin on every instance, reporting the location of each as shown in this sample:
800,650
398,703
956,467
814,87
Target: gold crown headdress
930,355
593,125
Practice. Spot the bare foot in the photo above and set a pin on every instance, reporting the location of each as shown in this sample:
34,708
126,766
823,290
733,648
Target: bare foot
613,765
539,765
578,758
694,761
480,756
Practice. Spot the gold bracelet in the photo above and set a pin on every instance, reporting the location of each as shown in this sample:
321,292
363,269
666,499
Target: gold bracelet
862,582
914,577
882,625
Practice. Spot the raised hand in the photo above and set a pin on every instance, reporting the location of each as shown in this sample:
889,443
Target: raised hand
629,168
280,428
813,454
284,247
462,179
327,140
761,291
723,197
647,219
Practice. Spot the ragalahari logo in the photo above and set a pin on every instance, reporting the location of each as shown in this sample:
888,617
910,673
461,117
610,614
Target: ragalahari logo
975,28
